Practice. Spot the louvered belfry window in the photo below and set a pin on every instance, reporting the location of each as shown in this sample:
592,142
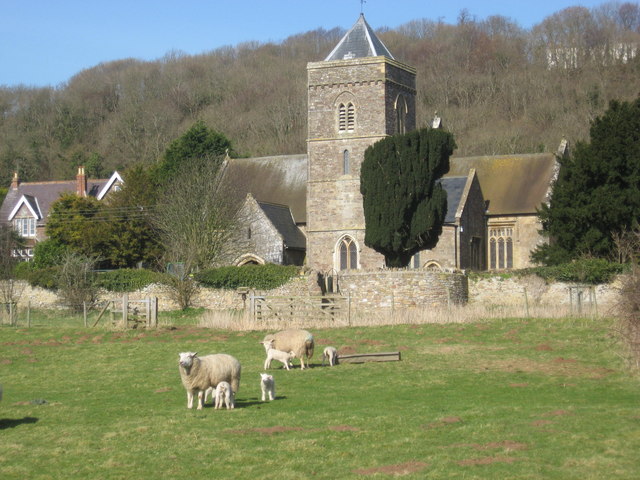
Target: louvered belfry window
346,117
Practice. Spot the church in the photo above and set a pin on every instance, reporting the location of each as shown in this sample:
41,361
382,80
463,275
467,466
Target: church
356,96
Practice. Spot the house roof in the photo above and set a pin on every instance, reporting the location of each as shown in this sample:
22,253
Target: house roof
278,179
360,41
281,218
43,194
511,184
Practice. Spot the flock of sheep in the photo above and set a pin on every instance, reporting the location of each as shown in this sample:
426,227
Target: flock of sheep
218,375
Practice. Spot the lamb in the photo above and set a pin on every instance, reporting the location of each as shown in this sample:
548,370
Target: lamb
331,354
273,354
200,373
298,341
224,393
268,386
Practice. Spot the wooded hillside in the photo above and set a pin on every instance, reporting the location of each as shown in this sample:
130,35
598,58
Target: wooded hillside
499,88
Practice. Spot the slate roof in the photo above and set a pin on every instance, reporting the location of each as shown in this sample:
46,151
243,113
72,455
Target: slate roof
512,184
281,218
45,193
361,41
278,179
454,186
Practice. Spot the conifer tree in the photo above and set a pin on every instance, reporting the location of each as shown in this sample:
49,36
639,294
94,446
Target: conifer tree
597,193
404,205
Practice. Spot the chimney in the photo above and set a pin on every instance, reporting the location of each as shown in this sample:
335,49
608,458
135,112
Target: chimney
15,181
81,182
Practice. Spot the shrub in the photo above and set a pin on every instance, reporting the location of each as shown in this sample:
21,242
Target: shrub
591,271
263,277
38,277
127,279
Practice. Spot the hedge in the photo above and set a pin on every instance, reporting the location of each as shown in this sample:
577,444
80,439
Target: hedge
263,277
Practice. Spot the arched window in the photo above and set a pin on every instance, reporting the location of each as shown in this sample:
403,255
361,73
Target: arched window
348,254
345,163
401,114
346,117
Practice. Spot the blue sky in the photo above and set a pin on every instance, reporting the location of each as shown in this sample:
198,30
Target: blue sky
46,42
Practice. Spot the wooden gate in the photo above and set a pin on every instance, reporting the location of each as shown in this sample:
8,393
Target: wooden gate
308,308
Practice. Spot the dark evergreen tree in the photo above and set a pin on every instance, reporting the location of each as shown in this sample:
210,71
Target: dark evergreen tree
196,143
404,205
597,192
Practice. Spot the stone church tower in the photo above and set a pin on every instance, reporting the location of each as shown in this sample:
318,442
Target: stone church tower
358,95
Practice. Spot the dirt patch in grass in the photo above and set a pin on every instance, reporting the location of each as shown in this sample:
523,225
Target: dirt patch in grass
505,445
396,470
343,428
266,430
347,350
518,385
442,422
543,347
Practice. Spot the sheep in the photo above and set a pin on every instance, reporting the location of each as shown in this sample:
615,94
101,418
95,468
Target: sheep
268,386
331,354
273,354
224,393
298,341
200,373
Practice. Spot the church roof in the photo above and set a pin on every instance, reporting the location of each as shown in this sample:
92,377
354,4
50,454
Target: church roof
454,186
361,41
281,218
511,184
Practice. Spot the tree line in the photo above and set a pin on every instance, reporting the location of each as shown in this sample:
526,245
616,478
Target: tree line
500,89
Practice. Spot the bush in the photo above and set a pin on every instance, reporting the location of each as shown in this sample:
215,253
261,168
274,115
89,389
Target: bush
592,271
38,277
263,277
127,279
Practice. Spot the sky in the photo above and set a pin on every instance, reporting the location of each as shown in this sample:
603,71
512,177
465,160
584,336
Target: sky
46,42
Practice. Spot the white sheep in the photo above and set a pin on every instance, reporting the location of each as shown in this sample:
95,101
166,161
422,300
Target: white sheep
295,340
330,354
200,373
224,394
268,386
273,354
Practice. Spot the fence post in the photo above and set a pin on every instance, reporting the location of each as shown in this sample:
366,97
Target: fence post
526,301
125,309
29,313
84,313
349,308
154,311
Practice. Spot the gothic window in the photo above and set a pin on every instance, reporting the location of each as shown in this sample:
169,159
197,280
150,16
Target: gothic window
346,117
500,248
348,254
401,115
345,163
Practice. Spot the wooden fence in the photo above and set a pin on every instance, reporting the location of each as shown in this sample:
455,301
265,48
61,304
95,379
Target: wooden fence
307,308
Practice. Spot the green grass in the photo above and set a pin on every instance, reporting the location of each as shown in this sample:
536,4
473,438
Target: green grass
489,400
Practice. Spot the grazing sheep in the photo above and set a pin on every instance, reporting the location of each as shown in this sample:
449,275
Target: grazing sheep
200,373
331,354
273,354
268,386
298,341
224,393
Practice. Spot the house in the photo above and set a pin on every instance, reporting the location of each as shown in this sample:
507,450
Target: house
26,205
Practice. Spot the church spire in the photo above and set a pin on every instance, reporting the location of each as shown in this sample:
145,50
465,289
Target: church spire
360,41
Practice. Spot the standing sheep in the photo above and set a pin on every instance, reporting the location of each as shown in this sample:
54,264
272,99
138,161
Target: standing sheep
267,386
273,354
224,393
331,354
295,340
200,373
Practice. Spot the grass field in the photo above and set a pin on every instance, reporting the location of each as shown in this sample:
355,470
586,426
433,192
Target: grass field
497,399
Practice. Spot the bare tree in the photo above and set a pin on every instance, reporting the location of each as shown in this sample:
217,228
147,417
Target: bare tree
10,290
195,218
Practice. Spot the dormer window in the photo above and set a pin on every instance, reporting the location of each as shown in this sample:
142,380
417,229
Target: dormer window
346,117
26,227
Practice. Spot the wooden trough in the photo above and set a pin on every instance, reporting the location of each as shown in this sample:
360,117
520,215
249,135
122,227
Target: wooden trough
370,357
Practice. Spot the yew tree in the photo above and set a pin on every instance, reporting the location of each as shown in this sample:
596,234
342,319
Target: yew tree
597,193
404,204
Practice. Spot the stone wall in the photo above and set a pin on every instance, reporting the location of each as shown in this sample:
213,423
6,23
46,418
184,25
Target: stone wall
384,289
